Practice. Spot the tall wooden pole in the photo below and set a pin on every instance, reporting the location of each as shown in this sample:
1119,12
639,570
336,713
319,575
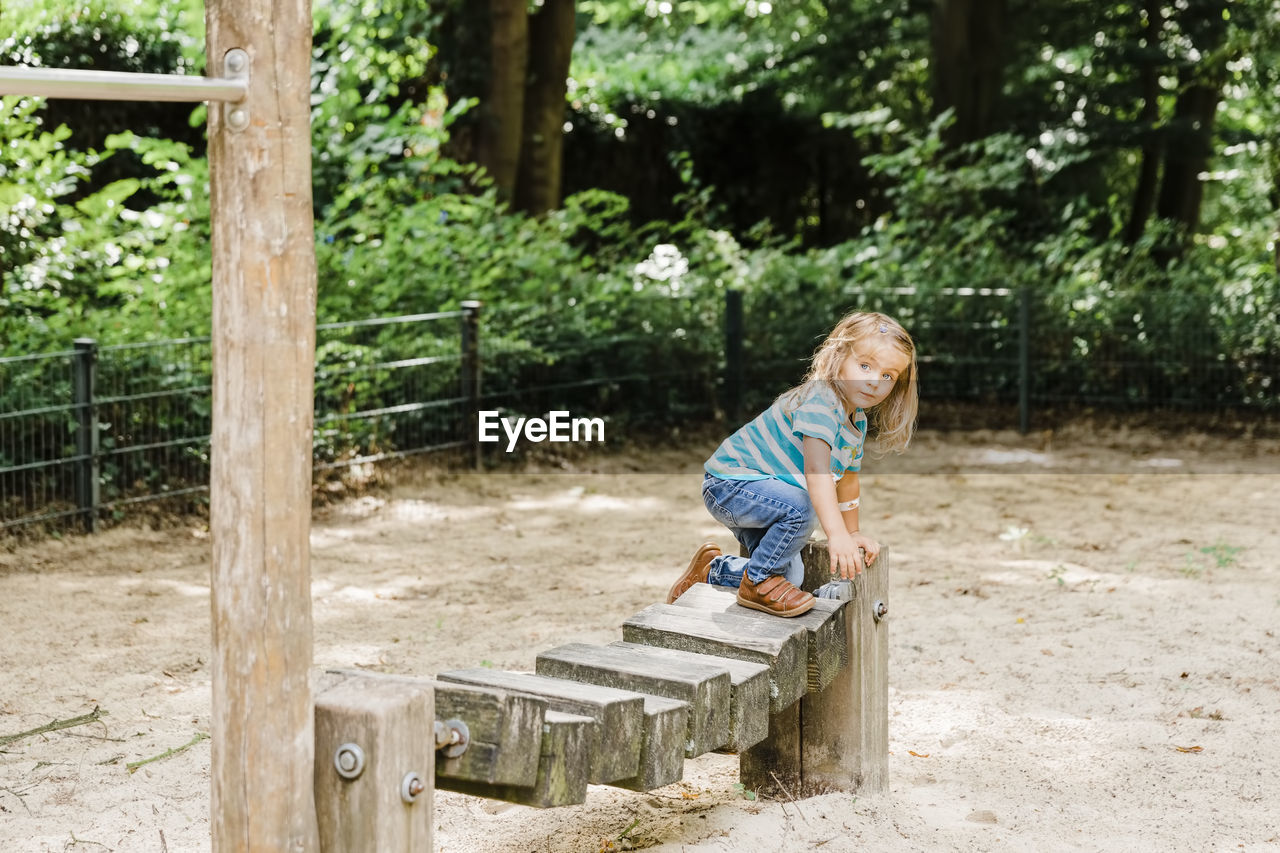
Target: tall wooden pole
264,282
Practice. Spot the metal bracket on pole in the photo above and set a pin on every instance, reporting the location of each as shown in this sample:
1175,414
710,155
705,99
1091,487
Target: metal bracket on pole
235,66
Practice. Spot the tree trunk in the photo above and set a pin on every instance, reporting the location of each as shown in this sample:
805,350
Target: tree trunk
500,132
1144,195
1188,155
264,302
551,35
968,43
1189,144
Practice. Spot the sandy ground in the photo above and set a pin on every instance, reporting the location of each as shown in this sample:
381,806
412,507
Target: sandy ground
1083,651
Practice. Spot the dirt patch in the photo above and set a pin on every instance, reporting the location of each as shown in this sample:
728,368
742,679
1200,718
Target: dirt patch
1083,650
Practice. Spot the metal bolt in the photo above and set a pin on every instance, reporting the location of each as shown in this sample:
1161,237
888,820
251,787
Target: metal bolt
879,610
238,119
452,737
348,760
237,60
411,786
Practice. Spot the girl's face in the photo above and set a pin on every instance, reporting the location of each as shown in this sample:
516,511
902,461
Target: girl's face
871,371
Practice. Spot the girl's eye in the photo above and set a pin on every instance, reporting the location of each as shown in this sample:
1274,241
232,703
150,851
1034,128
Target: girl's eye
865,366
887,377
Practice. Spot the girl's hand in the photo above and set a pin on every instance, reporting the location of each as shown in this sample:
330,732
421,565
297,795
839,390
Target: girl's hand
846,561
866,543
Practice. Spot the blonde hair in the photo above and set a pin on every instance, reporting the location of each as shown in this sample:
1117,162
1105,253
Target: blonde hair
894,419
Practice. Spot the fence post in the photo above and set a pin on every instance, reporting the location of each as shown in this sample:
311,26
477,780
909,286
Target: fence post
471,375
1024,359
86,477
733,331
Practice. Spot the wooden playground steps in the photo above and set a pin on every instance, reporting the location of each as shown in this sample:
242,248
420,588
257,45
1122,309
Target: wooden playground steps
802,701
703,674
621,728
690,678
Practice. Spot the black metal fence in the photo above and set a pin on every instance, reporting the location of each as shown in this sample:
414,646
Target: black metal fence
95,433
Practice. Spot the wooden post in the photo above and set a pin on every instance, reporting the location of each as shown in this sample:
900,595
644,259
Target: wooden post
836,738
845,728
373,740
264,280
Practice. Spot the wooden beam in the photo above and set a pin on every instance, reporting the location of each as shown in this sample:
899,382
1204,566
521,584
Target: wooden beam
748,691
705,688
825,624
564,767
264,284
389,723
619,714
845,728
780,644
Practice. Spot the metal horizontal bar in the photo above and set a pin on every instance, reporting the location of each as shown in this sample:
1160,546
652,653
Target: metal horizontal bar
67,408
324,371
384,321
43,463
12,359
153,344
158,445
379,457
389,410
157,496
117,85
36,519
152,395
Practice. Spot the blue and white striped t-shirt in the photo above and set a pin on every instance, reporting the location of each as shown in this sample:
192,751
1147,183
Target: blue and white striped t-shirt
772,445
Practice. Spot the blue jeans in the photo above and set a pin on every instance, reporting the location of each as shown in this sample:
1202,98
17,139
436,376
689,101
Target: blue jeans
770,518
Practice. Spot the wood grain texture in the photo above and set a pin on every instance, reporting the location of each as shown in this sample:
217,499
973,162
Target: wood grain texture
386,719
775,642
505,730
619,714
827,653
836,738
564,765
264,284
748,691
705,688
666,723
845,728
773,766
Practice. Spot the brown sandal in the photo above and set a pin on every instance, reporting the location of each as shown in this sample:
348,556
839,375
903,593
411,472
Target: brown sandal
699,568
775,594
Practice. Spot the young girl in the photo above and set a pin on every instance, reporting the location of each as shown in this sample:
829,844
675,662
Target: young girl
796,465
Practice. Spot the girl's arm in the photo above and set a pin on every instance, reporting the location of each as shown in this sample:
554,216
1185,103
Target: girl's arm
848,491
843,547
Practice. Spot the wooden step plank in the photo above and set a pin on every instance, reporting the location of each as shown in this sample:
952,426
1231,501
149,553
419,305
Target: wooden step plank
666,724
619,714
748,691
775,642
705,688
825,624
564,767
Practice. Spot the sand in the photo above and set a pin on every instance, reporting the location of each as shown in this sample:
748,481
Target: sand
1083,650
